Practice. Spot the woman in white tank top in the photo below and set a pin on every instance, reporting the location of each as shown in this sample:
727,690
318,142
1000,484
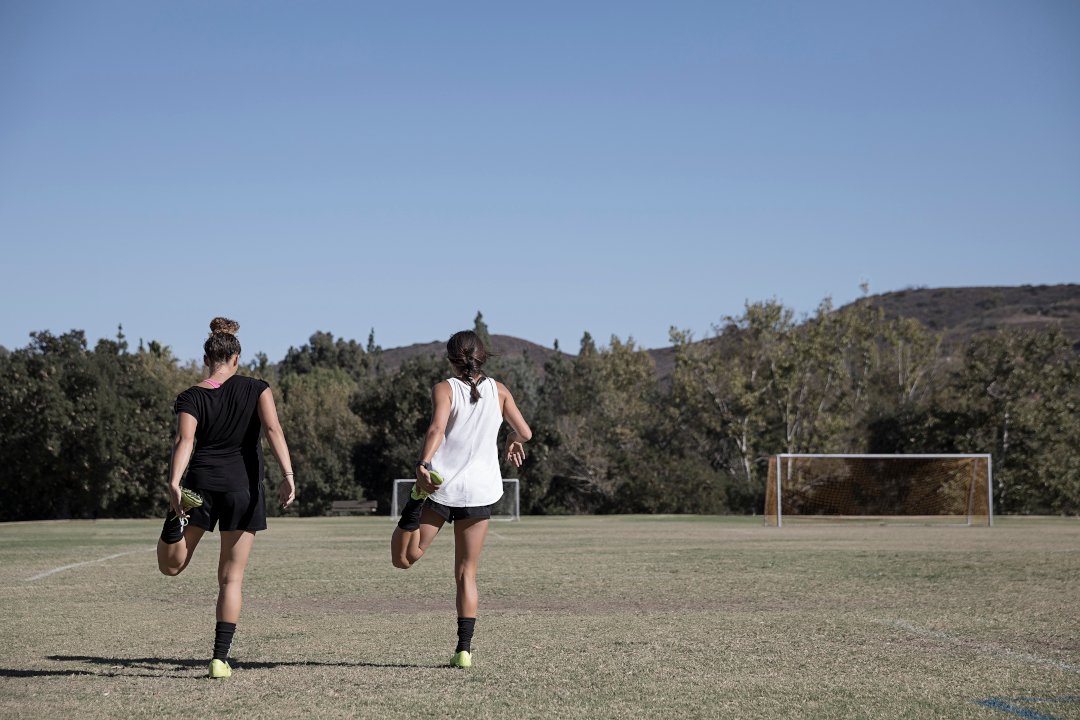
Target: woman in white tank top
458,477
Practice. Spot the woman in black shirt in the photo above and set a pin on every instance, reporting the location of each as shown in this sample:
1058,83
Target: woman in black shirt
222,418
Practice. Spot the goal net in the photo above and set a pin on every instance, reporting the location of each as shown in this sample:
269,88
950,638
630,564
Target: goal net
939,488
507,508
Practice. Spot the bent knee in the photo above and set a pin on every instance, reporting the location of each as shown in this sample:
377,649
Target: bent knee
408,559
170,570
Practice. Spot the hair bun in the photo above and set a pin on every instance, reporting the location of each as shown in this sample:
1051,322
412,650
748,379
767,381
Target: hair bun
221,325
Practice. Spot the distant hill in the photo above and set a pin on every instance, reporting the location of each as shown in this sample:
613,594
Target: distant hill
960,313
501,344
957,313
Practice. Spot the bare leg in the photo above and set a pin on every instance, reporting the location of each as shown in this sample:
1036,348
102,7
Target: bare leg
408,546
469,538
235,549
173,558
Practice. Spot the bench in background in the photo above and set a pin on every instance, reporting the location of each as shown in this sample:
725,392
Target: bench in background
347,507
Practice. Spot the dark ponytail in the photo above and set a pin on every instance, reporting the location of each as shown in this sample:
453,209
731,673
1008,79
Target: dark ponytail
467,354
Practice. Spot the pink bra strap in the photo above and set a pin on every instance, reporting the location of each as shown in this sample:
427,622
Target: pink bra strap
212,383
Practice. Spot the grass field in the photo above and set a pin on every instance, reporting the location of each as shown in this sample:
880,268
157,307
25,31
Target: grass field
580,617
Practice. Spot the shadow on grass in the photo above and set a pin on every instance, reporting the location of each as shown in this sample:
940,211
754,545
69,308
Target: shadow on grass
170,667
11,672
1007,705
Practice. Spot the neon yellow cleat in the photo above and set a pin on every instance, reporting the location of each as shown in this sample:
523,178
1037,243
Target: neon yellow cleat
190,499
220,669
461,659
418,494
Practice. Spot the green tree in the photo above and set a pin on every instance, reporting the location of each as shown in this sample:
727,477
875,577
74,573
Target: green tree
721,394
396,409
323,435
39,424
481,329
906,374
131,433
86,433
596,416
765,383
1015,394
322,351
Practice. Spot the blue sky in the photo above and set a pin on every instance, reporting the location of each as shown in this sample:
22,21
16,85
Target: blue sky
611,167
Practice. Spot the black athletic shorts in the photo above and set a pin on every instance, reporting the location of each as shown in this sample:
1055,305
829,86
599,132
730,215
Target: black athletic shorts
450,514
234,509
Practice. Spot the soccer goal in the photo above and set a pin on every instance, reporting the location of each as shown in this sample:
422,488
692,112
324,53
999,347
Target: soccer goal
903,488
508,507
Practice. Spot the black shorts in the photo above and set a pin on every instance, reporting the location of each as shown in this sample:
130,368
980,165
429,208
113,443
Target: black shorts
450,514
234,509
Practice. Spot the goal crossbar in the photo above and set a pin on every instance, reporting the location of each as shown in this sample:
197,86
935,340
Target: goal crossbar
912,456
848,485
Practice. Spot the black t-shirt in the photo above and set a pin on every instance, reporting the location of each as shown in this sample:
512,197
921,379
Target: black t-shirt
228,454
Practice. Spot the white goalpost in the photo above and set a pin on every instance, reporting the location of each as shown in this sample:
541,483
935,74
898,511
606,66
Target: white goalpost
507,508
947,487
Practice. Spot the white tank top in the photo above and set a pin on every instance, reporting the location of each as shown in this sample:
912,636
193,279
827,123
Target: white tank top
468,458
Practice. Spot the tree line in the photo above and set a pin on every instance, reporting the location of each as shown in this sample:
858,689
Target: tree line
86,432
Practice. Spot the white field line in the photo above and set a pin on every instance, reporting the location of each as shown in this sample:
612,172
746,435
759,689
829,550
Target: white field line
982,647
62,568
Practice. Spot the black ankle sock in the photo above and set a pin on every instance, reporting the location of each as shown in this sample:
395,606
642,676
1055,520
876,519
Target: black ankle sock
172,532
223,633
464,634
410,514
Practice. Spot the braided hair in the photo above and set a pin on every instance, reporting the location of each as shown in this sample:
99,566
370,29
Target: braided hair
222,343
467,354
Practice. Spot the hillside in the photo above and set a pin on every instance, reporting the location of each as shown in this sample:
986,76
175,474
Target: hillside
957,313
501,344
960,313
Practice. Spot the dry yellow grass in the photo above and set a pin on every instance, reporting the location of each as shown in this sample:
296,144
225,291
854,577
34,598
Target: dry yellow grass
581,617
